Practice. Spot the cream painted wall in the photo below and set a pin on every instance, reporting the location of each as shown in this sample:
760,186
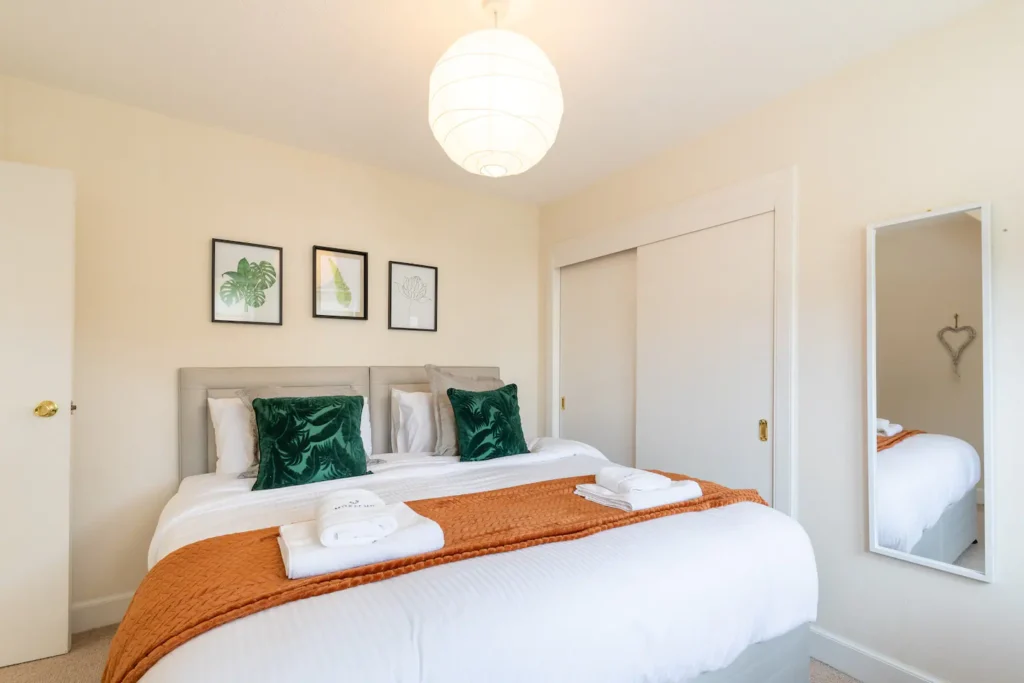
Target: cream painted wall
937,121
924,274
152,192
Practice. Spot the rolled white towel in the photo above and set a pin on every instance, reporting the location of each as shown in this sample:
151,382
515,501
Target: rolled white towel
352,517
678,492
892,429
881,423
305,556
628,480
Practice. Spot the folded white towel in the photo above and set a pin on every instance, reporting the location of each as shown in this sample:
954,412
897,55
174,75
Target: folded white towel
892,429
349,499
352,517
304,555
628,480
678,492
881,423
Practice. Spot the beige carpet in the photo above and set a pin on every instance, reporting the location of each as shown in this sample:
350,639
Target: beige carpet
84,664
822,673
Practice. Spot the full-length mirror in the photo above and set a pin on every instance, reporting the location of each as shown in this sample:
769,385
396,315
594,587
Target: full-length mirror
929,379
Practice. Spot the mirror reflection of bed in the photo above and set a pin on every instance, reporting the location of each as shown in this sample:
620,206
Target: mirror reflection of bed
929,279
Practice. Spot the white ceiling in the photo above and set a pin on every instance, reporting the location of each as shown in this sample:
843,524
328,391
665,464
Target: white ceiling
349,77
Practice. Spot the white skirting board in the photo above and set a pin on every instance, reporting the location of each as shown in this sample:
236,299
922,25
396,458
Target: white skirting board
862,663
90,614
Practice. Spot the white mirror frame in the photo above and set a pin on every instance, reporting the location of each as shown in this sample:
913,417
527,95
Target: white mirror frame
987,393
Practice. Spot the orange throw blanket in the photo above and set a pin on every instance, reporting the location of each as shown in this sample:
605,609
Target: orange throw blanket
885,442
215,581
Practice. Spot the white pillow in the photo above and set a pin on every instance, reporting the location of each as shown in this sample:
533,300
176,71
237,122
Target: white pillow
231,434
412,422
364,428
395,421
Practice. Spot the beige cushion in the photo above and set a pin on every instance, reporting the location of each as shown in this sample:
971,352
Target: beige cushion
440,382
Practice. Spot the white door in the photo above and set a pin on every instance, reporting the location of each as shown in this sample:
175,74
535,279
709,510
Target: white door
37,295
597,374
705,354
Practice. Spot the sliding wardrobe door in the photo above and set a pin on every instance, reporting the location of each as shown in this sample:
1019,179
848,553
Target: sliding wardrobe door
598,354
705,354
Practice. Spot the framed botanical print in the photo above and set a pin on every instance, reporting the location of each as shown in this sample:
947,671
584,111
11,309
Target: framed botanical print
412,297
246,283
339,283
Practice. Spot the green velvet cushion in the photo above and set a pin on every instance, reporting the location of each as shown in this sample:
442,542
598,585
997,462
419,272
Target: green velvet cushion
488,423
308,439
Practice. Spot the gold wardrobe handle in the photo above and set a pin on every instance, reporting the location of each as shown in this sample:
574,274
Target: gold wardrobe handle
46,409
762,430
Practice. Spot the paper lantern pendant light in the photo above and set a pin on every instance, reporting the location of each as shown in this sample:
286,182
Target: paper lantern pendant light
495,103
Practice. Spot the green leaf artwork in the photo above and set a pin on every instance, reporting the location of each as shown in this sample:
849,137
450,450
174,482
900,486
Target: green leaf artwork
248,284
341,289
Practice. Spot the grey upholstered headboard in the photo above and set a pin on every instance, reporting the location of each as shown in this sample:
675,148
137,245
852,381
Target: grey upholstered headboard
407,378
196,450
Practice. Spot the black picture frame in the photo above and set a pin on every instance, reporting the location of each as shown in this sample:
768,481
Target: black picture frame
216,282
433,271
316,282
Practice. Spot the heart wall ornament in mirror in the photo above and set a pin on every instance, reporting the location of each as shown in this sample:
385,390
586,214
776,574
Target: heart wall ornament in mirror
953,331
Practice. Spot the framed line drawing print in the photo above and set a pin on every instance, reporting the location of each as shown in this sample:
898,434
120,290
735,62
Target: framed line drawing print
412,297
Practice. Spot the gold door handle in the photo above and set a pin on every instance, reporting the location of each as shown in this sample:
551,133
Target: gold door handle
46,409
762,430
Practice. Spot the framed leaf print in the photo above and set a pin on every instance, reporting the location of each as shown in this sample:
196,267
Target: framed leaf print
412,297
246,283
339,283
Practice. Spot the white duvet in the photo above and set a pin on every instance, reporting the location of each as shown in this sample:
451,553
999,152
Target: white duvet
915,481
663,600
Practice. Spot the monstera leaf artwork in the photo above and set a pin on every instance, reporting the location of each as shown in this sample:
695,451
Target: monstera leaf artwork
248,284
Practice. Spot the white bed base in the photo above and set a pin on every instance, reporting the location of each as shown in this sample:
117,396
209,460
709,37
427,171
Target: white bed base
785,659
954,533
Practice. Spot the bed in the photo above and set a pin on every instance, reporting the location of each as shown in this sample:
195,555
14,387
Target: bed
728,601
925,499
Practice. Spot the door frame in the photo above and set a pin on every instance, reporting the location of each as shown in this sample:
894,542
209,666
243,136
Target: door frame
775,192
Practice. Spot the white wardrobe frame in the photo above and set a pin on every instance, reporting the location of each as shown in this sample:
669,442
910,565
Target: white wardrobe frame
773,192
